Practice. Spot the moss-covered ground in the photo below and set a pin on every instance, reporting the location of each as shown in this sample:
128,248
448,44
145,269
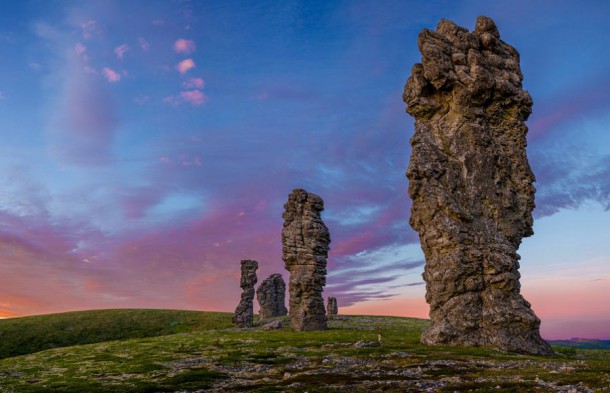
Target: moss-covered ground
197,352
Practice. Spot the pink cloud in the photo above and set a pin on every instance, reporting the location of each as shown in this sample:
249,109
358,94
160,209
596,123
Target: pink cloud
79,49
193,83
195,97
144,45
184,46
111,75
119,51
185,65
88,28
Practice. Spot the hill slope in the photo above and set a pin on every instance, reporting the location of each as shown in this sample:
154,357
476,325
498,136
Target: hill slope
341,359
21,336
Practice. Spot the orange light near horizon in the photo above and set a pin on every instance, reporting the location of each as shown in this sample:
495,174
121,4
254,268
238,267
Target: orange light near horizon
399,306
4,313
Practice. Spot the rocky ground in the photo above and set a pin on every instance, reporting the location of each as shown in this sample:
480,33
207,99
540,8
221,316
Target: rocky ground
345,358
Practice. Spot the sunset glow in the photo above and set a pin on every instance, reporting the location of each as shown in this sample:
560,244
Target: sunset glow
149,146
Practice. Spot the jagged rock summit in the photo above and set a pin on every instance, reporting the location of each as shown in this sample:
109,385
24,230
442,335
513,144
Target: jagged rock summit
471,186
305,240
244,313
271,295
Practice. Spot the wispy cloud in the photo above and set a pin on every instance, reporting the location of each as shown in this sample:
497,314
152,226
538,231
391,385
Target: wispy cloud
120,51
194,97
193,83
144,45
79,48
89,28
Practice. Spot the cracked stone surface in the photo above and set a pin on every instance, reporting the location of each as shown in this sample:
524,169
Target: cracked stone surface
305,240
471,186
244,313
271,296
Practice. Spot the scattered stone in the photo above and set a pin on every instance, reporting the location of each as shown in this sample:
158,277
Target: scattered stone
471,186
305,241
331,308
273,325
366,344
271,296
244,313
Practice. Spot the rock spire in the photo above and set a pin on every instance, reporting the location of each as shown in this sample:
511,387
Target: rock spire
244,313
305,241
471,186
331,308
271,296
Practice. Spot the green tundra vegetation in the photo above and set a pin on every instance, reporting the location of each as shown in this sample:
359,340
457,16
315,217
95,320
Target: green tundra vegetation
189,351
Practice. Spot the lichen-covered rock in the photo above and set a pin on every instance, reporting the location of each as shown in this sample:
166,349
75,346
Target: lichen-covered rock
305,241
244,313
271,296
471,186
273,325
331,307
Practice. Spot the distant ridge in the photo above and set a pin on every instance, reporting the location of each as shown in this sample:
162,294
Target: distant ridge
582,343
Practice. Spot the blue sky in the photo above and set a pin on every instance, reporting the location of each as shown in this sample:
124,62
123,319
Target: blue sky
148,146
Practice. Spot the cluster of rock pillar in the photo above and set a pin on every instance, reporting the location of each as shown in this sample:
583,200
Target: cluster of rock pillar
472,190
305,240
270,295
471,186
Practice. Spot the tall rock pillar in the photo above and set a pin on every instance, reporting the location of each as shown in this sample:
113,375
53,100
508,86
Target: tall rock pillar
471,186
305,241
331,307
244,313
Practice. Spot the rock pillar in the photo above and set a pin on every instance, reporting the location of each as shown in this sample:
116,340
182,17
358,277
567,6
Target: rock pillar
331,308
305,241
244,313
471,186
271,296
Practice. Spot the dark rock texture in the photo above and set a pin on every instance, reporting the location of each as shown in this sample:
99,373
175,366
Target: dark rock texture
271,296
244,313
471,186
305,241
331,307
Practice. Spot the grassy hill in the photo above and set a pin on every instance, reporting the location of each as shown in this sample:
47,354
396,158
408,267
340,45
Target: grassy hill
21,336
207,354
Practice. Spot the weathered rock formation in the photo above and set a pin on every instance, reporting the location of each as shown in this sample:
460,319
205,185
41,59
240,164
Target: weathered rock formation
331,307
244,313
305,241
471,186
271,296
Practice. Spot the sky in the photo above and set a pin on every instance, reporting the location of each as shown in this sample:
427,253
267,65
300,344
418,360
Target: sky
149,146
